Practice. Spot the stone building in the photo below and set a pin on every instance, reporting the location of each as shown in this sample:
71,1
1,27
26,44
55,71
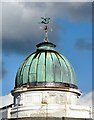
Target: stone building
46,88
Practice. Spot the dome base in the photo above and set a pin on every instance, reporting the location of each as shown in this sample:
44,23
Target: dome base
50,84
48,103
30,88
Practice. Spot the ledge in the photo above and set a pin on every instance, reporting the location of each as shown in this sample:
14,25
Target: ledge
49,118
28,88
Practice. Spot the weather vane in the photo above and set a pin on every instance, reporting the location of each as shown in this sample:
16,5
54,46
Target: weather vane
45,21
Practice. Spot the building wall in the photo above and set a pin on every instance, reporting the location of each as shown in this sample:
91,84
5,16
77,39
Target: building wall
51,97
5,112
48,104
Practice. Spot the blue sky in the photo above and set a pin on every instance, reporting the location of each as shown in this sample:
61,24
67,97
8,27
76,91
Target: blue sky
72,33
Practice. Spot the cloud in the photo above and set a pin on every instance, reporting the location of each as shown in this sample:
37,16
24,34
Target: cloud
0,70
87,99
48,1
6,100
82,44
4,71
20,28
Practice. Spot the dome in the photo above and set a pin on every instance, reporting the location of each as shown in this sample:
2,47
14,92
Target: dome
46,68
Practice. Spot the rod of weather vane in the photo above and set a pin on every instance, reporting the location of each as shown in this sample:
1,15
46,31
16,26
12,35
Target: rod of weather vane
46,33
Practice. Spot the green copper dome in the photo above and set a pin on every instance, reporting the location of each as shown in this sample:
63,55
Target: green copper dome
46,68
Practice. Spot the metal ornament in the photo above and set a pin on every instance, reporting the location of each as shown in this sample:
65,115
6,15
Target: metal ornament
45,21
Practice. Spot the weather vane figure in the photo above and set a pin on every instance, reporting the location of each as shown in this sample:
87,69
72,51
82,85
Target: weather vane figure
45,21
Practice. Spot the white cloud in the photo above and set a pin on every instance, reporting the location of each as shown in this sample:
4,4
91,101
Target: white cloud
6,100
87,99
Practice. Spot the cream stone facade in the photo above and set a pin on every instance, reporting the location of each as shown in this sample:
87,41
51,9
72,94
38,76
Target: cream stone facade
49,103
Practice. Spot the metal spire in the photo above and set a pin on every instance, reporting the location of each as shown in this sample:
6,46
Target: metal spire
45,21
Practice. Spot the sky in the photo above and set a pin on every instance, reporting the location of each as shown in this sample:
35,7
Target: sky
71,24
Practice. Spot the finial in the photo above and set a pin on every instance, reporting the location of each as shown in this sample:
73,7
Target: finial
45,21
